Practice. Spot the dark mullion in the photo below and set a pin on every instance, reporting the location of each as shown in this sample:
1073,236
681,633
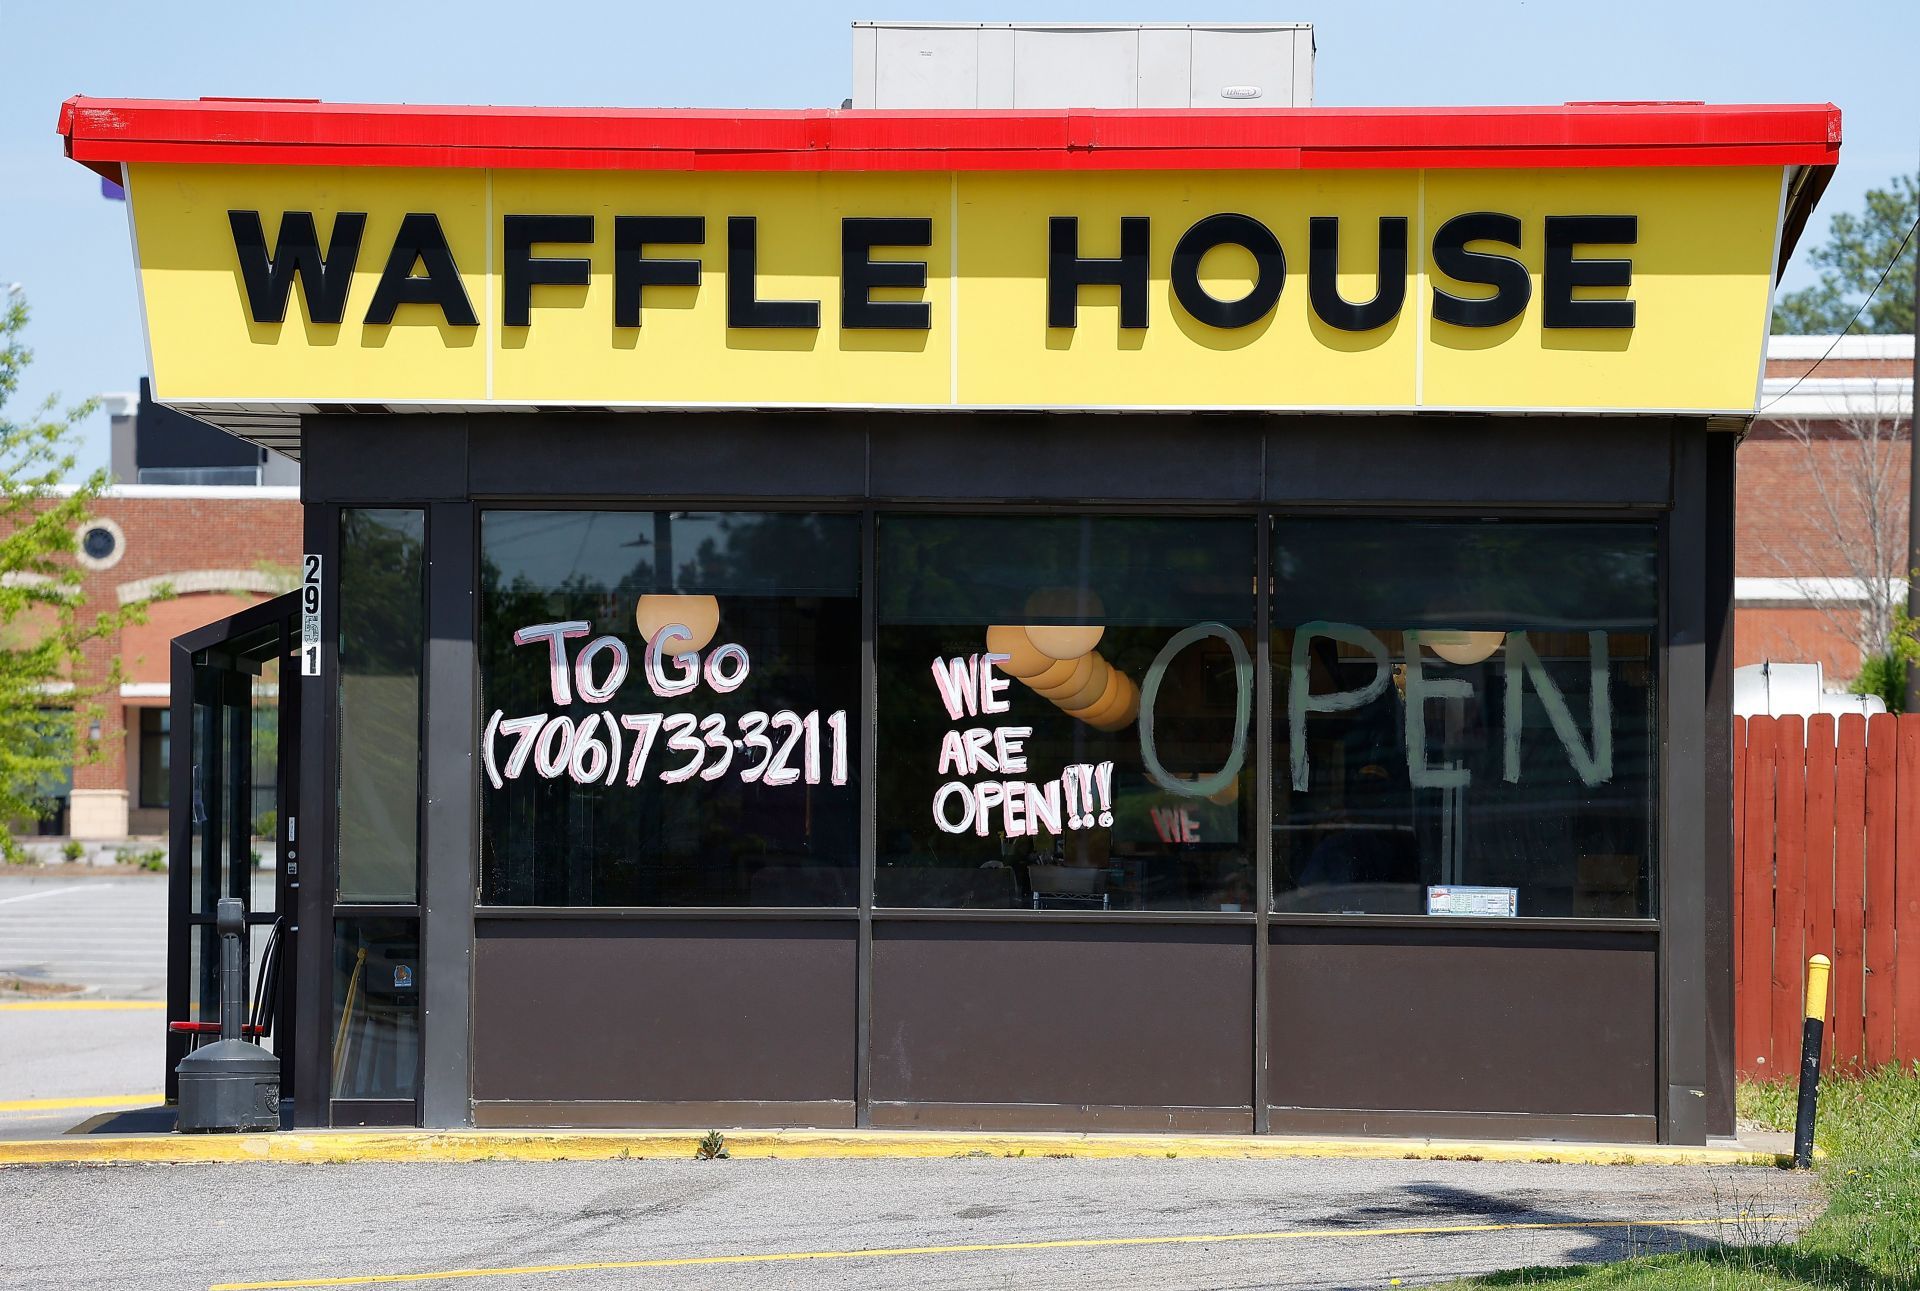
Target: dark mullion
315,803
287,879
869,826
1262,809
180,931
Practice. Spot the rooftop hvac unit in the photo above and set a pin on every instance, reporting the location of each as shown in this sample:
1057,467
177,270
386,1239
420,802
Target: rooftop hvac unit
1082,65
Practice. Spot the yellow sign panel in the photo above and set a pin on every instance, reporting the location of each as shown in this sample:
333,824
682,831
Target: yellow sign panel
1499,289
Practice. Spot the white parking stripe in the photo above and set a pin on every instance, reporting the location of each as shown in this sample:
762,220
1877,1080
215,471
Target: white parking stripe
106,935
54,892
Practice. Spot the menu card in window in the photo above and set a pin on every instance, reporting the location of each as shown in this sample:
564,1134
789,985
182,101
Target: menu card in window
1497,903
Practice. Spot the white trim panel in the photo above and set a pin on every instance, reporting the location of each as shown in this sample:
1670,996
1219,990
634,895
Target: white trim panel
1834,397
1810,591
187,582
1847,347
190,492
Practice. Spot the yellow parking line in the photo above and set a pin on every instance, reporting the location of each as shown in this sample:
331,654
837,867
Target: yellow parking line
1056,1244
64,1104
78,1006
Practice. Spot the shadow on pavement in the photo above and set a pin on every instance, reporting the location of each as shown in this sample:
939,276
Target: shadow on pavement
1757,1249
152,1120
134,1120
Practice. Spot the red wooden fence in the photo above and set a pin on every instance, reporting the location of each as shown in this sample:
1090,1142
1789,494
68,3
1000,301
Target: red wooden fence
1826,858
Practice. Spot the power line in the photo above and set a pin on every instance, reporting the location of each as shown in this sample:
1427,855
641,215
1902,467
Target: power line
1856,317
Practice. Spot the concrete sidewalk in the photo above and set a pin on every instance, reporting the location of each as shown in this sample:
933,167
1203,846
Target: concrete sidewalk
98,1142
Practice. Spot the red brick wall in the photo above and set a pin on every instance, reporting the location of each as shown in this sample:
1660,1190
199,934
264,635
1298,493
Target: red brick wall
1882,369
1796,635
1781,526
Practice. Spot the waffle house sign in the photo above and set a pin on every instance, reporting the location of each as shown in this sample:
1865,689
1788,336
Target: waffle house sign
890,279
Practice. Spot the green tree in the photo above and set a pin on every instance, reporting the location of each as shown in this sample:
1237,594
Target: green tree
1884,673
45,624
1857,248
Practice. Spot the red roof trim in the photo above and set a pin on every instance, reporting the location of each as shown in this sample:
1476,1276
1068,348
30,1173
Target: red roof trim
102,133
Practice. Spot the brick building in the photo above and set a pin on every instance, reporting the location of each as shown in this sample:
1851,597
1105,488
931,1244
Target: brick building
1822,511
219,548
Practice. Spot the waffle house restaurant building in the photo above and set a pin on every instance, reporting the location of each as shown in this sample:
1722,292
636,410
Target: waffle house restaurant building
1195,620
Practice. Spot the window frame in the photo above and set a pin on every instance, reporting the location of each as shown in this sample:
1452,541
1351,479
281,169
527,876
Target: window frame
1258,843
337,688
318,1005
1260,754
862,886
1656,521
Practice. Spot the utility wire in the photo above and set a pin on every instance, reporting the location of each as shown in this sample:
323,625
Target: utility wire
1856,317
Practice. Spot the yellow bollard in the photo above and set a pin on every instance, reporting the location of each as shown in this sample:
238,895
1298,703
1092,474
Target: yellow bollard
1812,1031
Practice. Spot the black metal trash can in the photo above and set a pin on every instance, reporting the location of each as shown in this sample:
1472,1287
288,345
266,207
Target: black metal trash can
231,1084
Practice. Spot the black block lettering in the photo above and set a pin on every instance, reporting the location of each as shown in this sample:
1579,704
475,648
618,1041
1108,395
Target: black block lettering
522,271
324,280
1564,273
1067,273
1323,275
1512,286
860,273
1269,273
633,272
420,241
744,309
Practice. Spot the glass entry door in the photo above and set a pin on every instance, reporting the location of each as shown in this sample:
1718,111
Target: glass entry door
234,824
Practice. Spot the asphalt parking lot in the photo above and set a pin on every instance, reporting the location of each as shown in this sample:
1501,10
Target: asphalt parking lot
66,1058
106,933
931,1225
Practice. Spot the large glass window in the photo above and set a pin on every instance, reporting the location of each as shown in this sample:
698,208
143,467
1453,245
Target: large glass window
262,812
670,708
376,1008
1464,717
383,618
1065,705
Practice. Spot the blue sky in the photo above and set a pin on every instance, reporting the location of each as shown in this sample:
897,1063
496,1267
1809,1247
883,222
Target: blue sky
69,248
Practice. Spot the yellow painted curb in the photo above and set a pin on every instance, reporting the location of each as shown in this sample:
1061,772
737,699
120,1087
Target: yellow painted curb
64,1104
340,1146
78,1006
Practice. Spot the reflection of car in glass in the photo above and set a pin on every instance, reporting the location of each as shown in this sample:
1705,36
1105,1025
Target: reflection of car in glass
1369,866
